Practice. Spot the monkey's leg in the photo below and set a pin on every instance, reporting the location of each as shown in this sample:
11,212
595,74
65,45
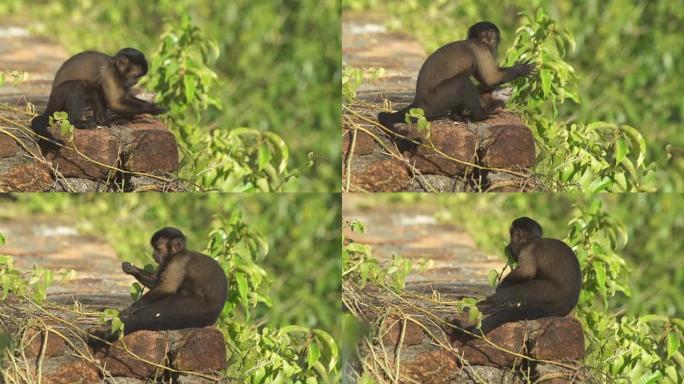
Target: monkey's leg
454,96
76,97
99,108
172,312
523,312
531,291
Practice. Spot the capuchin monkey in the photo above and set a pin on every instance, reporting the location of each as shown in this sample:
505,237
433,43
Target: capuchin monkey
546,281
97,80
444,86
188,289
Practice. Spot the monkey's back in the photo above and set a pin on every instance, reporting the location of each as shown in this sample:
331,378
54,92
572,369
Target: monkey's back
557,262
84,66
450,60
205,278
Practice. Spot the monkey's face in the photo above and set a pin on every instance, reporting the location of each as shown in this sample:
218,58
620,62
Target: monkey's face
491,39
161,250
132,75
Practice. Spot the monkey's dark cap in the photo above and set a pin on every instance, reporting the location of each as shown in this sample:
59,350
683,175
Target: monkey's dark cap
476,29
527,224
136,57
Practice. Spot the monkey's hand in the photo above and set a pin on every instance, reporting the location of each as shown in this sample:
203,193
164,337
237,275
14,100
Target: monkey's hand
158,110
128,268
525,67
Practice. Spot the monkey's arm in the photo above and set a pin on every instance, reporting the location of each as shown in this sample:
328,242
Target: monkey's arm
148,279
526,270
490,74
170,279
121,101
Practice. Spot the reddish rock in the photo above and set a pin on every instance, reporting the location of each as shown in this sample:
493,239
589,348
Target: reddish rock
8,147
199,350
151,147
148,345
557,339
24,175
391,331
69,370
378,175
364,145
452,139
508,146
429,366
97,144
509,337
34,340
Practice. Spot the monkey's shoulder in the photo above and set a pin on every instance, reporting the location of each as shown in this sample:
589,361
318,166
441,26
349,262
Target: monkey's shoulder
550,248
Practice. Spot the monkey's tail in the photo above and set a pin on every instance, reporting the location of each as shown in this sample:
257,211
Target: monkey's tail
41,123
388,119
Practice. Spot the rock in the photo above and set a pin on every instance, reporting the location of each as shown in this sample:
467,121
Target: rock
198,349
429,366
193,379
34,340
553,374
482,374
436,183
509,147
558,339
372,175
24,175
150,147
364,145
96,144
508,337
505,182
391,330
69,370
124,380
148,345
74,184
8,147
452,139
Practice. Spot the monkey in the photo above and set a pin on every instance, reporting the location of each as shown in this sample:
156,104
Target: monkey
546,281
187,290
101,81
444,85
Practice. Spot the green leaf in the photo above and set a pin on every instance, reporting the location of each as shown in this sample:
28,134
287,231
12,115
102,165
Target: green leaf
621,150
673,343
264,156
189,85
313,354
492,276
243,289
546,79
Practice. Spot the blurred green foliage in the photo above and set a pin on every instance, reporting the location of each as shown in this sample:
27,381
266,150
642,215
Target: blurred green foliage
628,59
302,232
279,63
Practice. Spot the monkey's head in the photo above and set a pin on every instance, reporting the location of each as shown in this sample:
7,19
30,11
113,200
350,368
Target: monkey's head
167,242
131,65
523,230
486,33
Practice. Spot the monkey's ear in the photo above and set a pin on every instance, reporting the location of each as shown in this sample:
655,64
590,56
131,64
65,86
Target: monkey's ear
176,246
122,61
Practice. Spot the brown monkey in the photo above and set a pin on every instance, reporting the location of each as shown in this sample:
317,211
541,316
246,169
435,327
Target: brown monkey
444,85
546,281
99,80
188,289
